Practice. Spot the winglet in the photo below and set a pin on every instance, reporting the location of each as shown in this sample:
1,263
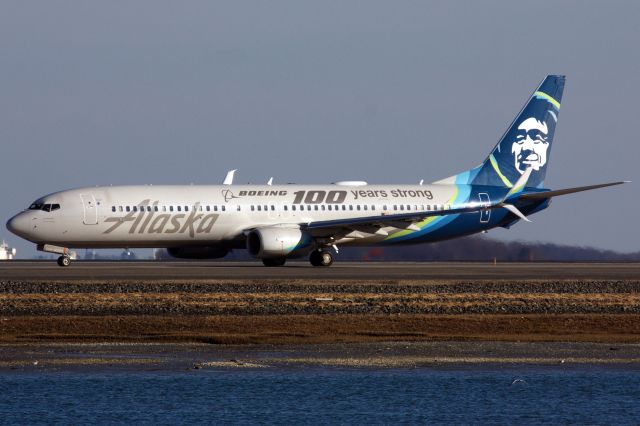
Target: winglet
228,180
520,184
514,192
513,209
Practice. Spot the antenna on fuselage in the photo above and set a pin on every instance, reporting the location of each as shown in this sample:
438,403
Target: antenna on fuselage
421,182
270,181
228,180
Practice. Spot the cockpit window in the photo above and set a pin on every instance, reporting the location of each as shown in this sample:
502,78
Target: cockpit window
45,207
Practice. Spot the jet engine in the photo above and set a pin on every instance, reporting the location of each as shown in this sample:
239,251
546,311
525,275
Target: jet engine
197,252
276,241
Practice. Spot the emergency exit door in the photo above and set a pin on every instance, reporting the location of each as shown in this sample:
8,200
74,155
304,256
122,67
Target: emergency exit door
485,201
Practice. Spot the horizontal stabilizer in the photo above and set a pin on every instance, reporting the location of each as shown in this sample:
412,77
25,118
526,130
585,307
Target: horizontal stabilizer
548,194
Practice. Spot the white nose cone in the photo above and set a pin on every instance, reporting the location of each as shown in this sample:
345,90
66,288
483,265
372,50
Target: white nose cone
18,225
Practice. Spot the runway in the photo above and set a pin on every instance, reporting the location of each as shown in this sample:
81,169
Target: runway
371,272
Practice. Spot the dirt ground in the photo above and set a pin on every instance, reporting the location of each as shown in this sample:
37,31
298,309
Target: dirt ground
296,329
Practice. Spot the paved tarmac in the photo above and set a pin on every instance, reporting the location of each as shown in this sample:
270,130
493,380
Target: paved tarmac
366,271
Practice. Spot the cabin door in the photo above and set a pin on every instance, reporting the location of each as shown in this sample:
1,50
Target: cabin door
90,209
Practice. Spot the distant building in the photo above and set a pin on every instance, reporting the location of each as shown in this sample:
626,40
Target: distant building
7,253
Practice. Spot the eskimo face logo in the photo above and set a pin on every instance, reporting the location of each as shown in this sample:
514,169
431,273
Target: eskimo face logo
228,195
531,145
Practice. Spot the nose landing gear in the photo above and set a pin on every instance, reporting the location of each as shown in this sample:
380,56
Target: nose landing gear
321,258
66,255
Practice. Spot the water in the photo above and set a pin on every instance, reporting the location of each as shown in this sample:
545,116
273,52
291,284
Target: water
585,395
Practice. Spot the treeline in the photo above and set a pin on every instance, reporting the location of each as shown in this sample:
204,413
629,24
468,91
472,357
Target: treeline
478,248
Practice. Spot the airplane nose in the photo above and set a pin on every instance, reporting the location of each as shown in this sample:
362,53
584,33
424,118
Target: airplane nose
18,224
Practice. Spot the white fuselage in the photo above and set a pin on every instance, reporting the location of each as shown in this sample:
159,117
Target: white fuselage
216,215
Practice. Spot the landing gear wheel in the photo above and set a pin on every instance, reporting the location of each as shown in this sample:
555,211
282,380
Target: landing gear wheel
321,258
277,261
64,261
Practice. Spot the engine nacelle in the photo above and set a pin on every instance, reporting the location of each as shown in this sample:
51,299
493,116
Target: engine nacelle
197,252
275,241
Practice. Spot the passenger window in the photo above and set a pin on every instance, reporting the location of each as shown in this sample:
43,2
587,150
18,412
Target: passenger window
273,207
170,208
179,208
350,206
315,207
365,207
329,206
373,207
128,208
120,208
358,207
113,209
135,208
155,208
395,207
186,208
344,207
401,207
223,208
384,207
239,208
323,207
253,208
285,208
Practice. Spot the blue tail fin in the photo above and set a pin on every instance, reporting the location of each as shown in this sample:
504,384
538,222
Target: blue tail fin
526,143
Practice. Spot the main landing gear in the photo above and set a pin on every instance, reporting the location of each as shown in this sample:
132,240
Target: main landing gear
321,258
64,260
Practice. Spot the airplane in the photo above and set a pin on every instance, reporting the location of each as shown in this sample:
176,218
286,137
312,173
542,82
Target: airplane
279,222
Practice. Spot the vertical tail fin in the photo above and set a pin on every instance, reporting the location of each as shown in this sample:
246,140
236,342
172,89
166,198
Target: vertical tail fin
526,143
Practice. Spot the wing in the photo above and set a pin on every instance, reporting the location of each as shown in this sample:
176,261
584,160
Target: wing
374,224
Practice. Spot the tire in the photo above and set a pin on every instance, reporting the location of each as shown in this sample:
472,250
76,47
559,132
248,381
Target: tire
64,261
277,261
326,258
314,258
321,258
